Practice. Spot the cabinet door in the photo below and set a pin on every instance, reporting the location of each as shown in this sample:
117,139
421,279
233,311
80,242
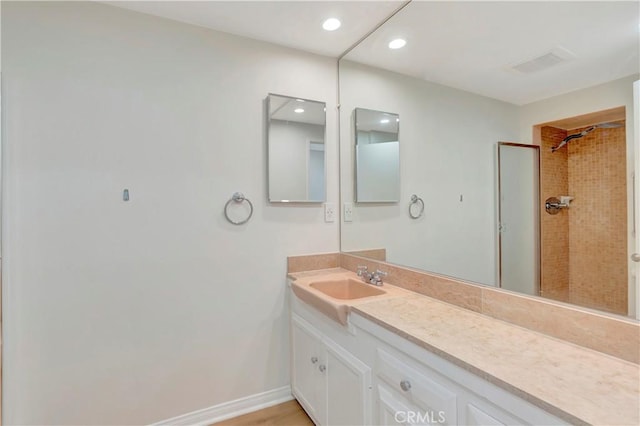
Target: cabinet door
306,355
348,388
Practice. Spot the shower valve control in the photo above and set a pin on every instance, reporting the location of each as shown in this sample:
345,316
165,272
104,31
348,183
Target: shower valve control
565,200
553,205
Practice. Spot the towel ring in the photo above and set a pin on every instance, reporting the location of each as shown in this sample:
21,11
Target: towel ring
415,200
238,197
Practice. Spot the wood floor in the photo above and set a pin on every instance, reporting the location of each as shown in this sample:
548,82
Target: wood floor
287,414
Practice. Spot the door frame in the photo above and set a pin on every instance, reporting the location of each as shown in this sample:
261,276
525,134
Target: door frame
310,145
634,276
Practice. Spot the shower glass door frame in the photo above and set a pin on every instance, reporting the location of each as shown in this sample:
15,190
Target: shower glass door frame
504,223
634,276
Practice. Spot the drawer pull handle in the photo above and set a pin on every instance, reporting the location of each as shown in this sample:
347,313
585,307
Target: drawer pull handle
314,359
322,368
405,385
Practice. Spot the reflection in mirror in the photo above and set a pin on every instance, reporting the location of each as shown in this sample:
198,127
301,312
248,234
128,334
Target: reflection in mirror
296,154
534,82
377,156
519,217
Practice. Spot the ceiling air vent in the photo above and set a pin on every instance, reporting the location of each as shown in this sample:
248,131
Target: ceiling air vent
548,60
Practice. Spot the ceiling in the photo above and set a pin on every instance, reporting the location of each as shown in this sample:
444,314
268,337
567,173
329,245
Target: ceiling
467,45
369,120
309,112
296,24
473,45
599,117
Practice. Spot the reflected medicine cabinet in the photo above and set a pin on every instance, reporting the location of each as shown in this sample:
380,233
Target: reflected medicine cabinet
296,149
377,156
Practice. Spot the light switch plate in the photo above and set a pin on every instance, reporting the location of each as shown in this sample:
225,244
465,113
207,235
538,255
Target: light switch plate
348,212
329,212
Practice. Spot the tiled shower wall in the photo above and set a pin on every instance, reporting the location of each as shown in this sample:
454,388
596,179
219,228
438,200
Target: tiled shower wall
591,236
598,220
554,181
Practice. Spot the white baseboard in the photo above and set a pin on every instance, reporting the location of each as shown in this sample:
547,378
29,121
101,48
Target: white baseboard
230,409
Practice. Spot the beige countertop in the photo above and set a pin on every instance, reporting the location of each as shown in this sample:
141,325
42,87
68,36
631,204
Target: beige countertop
577,384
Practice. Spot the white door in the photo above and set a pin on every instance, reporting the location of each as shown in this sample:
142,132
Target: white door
315,172
518,168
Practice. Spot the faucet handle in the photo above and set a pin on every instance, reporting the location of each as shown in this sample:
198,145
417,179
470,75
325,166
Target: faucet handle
362,270
376,277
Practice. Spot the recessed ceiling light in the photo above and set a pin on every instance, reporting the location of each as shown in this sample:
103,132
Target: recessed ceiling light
300,100
331,24
384,121
397,43
298,110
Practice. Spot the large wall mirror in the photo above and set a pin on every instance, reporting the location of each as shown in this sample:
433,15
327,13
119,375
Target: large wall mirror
472,75
296,154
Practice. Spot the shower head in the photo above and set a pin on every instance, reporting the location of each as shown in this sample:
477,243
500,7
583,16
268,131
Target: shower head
586,132
608,125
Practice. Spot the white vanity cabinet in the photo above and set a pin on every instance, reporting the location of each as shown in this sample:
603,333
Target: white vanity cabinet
413,386
364,374
331,384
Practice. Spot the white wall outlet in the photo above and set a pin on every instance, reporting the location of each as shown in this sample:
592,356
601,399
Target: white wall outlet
329,212
348,212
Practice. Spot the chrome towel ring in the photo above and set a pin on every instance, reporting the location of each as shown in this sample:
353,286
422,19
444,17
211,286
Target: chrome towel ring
416,201
238,197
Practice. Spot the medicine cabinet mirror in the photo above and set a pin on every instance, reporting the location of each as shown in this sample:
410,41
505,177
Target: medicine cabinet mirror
377,154
296,149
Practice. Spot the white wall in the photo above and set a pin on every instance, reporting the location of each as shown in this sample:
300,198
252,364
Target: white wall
129,313
447,149
289,158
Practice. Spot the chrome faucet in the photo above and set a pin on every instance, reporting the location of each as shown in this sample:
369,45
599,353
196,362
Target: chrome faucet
374,278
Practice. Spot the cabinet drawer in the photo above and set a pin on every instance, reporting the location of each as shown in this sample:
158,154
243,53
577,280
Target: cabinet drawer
418,387
478,417
392,410
481,412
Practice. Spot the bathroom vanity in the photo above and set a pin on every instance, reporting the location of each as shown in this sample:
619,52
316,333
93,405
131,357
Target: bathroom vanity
404,358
